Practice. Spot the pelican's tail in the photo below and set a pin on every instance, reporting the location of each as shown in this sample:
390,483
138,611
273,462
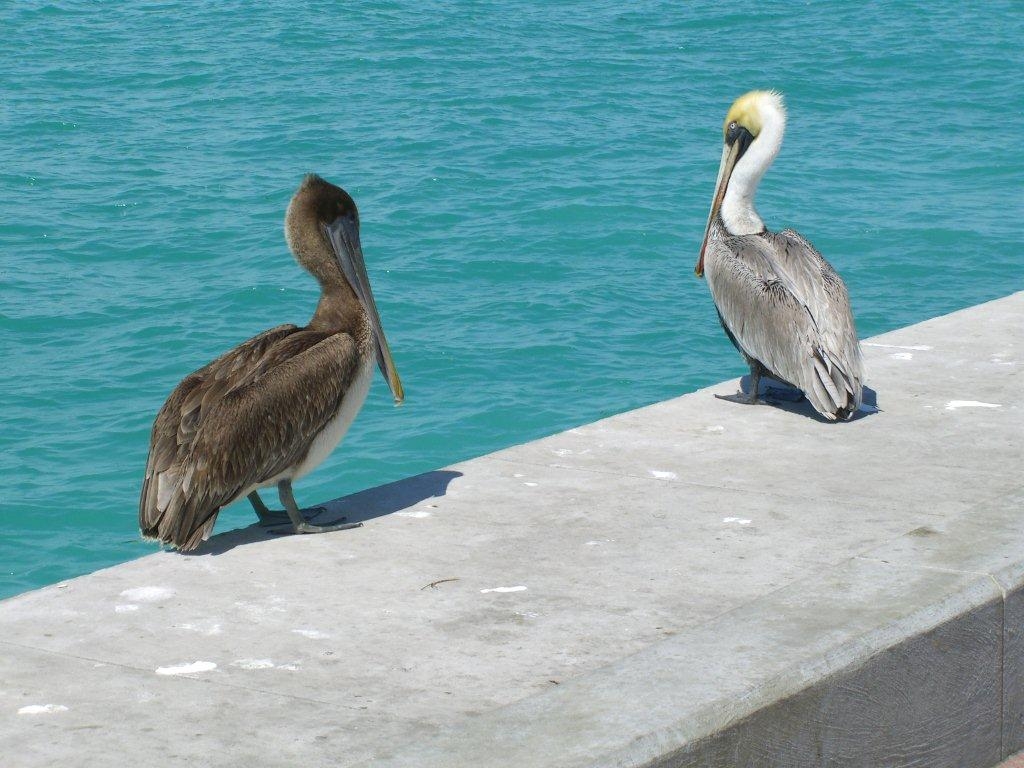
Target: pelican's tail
168,513
834,393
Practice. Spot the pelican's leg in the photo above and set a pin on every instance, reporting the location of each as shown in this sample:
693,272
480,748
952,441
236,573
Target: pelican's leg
755,382
266,515
284,490
270,517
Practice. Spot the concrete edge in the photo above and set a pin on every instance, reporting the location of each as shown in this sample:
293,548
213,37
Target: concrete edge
917,642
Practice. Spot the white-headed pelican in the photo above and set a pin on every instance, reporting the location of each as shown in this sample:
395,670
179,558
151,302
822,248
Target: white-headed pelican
782,305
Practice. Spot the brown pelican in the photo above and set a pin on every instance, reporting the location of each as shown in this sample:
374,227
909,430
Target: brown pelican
781,304
270,410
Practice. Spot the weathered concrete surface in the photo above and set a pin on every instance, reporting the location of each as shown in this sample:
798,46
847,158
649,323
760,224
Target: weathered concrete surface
696,583
1017,761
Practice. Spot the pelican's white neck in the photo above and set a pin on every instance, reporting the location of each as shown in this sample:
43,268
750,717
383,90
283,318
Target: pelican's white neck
738,213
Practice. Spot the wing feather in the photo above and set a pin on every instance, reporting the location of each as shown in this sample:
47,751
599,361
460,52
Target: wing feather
786,308
237,422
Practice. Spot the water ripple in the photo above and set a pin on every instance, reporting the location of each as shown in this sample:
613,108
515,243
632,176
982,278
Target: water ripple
533,181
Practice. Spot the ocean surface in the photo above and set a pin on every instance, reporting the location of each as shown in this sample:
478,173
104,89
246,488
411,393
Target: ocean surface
533,181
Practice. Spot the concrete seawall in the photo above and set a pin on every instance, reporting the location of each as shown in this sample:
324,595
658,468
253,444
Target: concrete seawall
695,583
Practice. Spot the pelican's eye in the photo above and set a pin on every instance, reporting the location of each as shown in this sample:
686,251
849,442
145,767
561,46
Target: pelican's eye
732,132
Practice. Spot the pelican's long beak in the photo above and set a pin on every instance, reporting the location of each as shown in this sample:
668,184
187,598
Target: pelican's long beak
730,154
343,234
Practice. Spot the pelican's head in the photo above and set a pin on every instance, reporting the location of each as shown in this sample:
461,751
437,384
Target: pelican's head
322,229
752,133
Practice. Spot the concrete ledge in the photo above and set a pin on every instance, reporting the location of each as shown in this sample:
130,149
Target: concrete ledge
846,670
695,583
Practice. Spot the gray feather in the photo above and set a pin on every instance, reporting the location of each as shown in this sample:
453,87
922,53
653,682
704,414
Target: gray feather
787,309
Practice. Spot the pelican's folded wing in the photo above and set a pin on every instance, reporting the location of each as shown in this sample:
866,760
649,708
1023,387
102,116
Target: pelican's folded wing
237,422
783,312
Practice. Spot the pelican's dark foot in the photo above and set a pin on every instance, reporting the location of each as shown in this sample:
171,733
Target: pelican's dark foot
741,398
266,515
274,517
305,527
755,382
294,514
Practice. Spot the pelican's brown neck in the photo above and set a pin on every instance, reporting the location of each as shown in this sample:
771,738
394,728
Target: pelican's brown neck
339,306
336,311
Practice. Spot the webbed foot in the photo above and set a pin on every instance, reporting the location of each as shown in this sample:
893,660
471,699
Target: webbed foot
740,397
299,522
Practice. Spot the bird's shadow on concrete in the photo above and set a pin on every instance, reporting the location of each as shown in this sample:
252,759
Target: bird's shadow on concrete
356,508
792,400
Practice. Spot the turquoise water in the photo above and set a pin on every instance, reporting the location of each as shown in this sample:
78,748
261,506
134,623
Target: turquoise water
533,183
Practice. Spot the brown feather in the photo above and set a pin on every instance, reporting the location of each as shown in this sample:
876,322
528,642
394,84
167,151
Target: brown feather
239,421
250,417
